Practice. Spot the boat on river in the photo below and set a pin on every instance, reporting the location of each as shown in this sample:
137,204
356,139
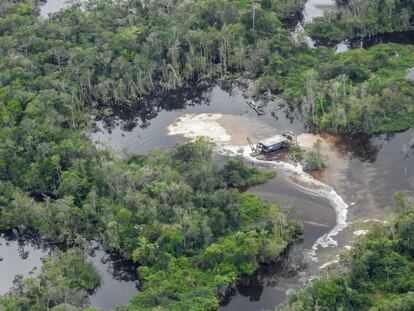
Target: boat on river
272,145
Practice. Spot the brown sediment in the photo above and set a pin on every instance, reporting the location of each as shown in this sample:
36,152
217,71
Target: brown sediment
241,127
235,129
319,175
335,157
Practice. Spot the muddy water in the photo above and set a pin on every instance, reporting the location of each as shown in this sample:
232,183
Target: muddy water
320,231
223,114
269,286
364,171
129,129
22,257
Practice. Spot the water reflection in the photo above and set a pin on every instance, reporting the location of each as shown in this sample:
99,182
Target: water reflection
316,8
147,109
406,37
123,129
119,280
18,256
361,147
24,254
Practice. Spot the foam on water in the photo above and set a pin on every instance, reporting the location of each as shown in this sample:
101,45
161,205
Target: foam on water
329,263
192,125
304,181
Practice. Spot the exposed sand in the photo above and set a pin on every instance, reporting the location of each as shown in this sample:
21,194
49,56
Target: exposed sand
221,128
192,125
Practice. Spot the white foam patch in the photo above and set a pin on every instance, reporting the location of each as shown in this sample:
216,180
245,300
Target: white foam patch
193,125
336,260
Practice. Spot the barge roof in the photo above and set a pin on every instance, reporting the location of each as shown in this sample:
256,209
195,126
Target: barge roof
274,140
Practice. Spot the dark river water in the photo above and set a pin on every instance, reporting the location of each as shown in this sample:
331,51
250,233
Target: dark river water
367,172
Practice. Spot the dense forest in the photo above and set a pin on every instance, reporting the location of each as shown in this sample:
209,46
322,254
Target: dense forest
377,274
180,216
361,91
105,54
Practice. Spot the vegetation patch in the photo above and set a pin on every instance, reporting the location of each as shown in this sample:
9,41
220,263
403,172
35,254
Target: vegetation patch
64,277
357,19
360,91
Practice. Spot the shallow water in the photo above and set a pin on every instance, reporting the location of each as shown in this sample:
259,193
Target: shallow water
319,233
365,171
269,286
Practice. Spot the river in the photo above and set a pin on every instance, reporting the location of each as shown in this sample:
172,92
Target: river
364,172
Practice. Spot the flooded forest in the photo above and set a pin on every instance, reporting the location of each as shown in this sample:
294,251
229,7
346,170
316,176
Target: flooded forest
207,155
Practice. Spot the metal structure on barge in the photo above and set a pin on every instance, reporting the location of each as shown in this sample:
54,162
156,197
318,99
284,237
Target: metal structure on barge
272,145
